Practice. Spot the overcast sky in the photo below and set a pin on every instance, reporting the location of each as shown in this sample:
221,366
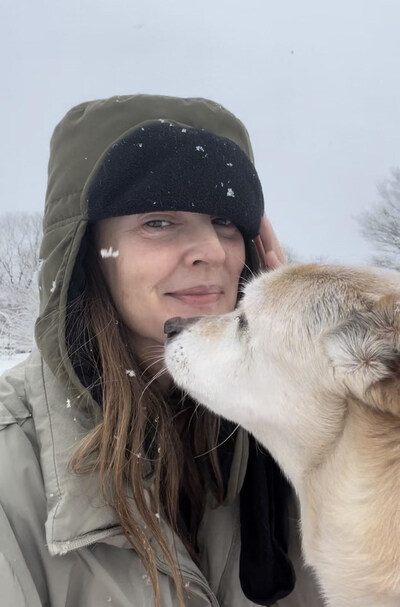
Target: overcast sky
317,84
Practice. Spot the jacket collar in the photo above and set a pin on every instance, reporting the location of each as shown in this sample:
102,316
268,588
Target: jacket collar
77,515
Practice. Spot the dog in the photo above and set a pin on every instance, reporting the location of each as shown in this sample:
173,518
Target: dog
309,363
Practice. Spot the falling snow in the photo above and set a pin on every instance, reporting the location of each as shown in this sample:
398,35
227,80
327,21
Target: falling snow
199,148
131,373
53,286
63,549
230,192
68,403
105,253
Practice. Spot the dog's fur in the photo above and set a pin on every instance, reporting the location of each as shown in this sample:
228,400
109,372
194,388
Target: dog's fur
309,364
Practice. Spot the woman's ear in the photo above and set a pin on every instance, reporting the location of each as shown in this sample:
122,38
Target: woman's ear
365,353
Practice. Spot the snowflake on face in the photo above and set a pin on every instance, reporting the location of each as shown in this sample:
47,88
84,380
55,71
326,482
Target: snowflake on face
106,253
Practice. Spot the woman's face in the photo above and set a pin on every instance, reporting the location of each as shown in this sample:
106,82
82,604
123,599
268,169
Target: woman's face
161,265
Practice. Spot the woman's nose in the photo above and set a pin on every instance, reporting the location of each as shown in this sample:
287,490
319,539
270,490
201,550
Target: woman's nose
206,246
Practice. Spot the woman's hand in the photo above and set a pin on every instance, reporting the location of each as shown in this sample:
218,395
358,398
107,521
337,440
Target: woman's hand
269,250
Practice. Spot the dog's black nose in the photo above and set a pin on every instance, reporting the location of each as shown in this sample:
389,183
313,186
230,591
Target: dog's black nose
175,325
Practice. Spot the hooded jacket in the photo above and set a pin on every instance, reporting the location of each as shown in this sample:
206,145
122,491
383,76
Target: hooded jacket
60,544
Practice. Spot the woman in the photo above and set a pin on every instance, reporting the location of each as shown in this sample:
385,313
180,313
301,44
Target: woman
114,487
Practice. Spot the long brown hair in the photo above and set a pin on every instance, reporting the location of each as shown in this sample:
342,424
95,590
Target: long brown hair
141,435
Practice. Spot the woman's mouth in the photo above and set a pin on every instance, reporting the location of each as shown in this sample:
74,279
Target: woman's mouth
198,296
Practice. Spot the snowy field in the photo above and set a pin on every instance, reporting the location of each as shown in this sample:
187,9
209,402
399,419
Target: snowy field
10,361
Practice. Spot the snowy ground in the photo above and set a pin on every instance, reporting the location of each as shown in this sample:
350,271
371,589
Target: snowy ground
11,361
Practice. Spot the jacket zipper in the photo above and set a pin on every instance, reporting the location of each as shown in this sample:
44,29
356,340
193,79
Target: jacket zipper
188,577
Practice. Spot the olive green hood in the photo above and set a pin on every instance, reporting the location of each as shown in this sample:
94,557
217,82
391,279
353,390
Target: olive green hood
78,146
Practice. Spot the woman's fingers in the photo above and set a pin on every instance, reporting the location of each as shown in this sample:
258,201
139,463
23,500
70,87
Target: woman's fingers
268,246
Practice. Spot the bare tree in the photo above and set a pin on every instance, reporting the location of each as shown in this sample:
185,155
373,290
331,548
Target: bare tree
382,225
20,235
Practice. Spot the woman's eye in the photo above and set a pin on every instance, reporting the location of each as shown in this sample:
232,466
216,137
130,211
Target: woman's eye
221,221
157,223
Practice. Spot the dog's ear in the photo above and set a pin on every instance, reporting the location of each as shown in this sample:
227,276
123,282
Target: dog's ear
365,351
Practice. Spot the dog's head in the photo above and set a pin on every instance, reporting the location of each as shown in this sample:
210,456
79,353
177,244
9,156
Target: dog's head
302,332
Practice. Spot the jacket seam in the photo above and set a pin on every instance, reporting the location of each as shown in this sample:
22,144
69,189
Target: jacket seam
14,422
227,565
65,196
23,422
62,222
52,439
26,400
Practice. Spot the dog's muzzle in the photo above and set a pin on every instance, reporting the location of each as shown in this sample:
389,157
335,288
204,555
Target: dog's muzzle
175,325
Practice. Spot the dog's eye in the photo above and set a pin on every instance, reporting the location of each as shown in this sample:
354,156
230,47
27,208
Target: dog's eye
242,322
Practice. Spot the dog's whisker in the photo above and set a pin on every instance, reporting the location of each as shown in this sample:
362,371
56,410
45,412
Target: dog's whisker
219,444
159,374
155,362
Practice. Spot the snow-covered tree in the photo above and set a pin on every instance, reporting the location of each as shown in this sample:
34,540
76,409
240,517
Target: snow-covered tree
20,235
381,226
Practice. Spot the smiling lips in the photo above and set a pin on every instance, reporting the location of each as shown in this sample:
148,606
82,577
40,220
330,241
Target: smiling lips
199,295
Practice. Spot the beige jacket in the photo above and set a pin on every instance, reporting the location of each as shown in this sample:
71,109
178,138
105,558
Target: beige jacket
60,545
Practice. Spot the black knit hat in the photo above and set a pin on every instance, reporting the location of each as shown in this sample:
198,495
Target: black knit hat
163,166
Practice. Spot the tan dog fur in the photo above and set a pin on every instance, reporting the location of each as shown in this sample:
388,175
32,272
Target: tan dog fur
309,363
